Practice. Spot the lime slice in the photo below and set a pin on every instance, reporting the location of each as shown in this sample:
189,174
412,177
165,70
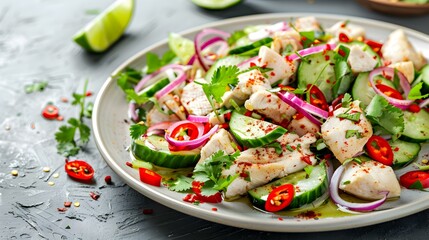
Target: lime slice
106,28
215,4
182,47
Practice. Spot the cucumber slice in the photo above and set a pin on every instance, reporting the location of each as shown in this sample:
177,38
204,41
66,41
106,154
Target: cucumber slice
310,188
226,61
318,69
404,152
251,49
150,91
416,126
154,149
362,91
251,132
215,4
423,77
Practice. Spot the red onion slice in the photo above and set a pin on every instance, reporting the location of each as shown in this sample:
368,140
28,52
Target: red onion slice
200,119
303,107
198,43
147,78
189,144
172,85
268,31
309,51
132,112
424,103
362,207
390,72
158,128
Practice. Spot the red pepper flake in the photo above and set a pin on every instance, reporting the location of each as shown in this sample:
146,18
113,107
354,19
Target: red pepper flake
309,215
67,204
33,126
94,195
60,118
129,164
396,149
341,52
88,94
343,38
244,175
327,57
108,179
214,209
414,108
147,211
306,159
64,100
272,74
62,209
280,219
252,64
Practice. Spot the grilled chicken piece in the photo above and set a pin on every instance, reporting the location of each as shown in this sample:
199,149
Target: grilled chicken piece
352,31
281,69
221,140
335,128
248,83
271,106
155,116
307,24
406,68
302,126
194,100
286,42
258,166
360,61
369,179
398,48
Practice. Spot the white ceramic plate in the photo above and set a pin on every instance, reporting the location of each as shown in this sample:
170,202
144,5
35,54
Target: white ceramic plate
112,138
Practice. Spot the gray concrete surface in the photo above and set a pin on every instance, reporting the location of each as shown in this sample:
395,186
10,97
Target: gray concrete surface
35,45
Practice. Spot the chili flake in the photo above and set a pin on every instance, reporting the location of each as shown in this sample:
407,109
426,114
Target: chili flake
94,195
67,204
147,211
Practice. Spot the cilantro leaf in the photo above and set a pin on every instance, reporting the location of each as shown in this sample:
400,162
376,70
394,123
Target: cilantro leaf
35,87
235,36
350,116
277,146
65,134
180,184
128,78
353,133
343,73
153,62
391,118
133,96
346,101
308,169
415,92
67,149
137,130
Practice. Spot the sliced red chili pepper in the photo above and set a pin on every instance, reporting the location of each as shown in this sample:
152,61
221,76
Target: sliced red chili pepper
414,108
317,98
343,38
150,177
389,91
79,170
185,129
412,179
379,150
50,112
376,46
196,188
280,198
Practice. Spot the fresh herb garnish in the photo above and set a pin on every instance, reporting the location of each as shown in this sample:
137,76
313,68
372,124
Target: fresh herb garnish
309,169
346,182
35,87
153,62
353,133
289,148
346,101
391,118
180,184
210,170
67,144
350,116
277,147
320,144
415,92
343,73
137,130
235,36
356,160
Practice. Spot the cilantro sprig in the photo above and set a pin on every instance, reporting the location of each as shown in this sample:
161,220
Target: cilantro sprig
68,143
137,130
210,170
35,87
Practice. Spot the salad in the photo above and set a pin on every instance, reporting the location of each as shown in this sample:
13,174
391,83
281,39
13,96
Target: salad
290,115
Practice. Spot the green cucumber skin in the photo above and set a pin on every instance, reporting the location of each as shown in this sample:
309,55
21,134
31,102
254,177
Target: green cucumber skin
423,77
301,199
152,89
416,126
236,127
404,153
163,158
247,49
362,91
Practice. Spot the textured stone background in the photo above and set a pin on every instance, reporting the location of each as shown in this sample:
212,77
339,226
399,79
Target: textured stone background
35,45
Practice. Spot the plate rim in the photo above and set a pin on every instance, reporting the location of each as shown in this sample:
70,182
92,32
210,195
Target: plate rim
325,224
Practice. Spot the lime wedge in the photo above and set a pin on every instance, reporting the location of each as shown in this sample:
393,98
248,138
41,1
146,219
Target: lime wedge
182,47
106,28
215,4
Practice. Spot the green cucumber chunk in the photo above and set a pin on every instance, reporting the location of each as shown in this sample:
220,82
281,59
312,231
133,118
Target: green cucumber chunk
154,149
362,91
307,188
226,61
251,49
416,126
423,77
150,91
403,152
215,4
251,132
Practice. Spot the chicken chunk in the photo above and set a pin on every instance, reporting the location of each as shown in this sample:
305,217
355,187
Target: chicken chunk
307,24
398,48
302,126
221,140
281,69
406,68
271,106
360,61
369,179
286,42
194,100
258,166
352,31
345,137
248,83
